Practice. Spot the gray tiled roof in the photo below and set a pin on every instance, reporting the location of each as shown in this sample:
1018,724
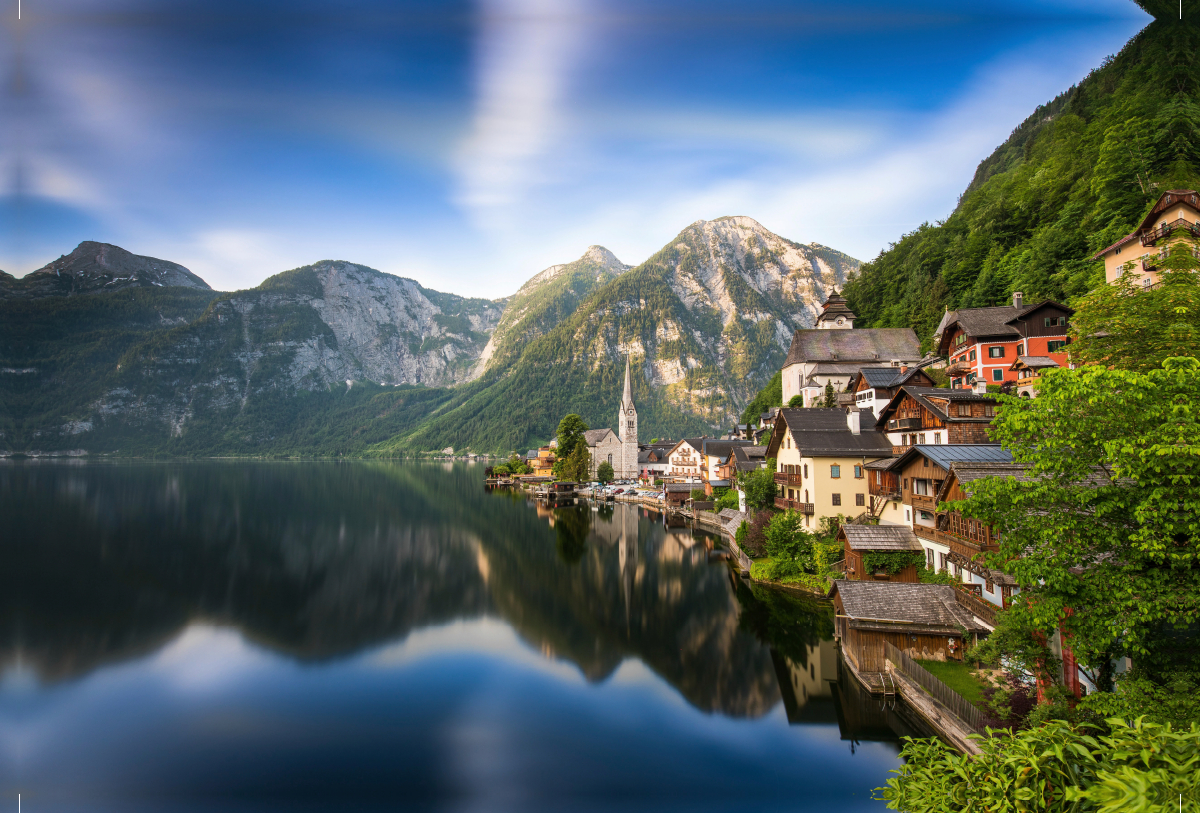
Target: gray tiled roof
842,346
887,377
946,454
824,433
688,487
721,448
1021,314
880,537
1037,362
929,605
926,396
980,322
594,436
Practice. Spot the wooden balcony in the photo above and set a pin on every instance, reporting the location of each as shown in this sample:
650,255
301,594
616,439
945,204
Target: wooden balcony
927,533
924,501
785,479
966,548
805,508
976,605
887,491
1152,236
903,424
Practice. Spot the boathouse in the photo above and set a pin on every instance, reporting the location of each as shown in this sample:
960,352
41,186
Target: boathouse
924,620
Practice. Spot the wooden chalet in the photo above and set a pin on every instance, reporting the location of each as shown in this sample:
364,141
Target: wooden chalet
677,494
933,415
967,538
859,539
1029,369
873,387
927,621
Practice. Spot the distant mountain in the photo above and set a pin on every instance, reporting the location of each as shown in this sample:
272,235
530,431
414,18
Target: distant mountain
544,301
1074,177
707,320
98,267
337,358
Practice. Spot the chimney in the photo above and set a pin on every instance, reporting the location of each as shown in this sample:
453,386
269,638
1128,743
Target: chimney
1017,300
980,387
852,421
903,367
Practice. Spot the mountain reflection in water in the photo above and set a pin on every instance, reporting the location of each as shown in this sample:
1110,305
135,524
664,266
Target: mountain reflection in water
182,634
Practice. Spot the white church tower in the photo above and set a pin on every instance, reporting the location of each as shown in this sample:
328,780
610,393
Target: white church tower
627,431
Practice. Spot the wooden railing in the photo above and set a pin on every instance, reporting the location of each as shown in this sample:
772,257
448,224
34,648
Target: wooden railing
887,491
805,508
785,479
926,532
1152,236
979,606
924,501
958,705
903,424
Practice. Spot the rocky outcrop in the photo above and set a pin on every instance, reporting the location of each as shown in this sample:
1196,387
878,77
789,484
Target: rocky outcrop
548,298
95,267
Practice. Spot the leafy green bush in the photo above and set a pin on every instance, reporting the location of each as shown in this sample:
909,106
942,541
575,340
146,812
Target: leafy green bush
728,499
698,495
789,546
1138,767
891,561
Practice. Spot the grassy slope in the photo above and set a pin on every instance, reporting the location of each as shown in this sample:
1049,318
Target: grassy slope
1072,178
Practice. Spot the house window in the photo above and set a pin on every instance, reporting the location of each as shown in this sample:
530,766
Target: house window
837,499
929,558
610,460
805,471
922,437
941,561
996,352
972,355
964,410
907,515
859,499
858,472
997,374
989,411
925,515
937,437
1020,349
906,484
1055,346
835,471
991,588
1056,321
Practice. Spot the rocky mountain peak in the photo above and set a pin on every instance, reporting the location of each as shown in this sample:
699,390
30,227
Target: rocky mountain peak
96,267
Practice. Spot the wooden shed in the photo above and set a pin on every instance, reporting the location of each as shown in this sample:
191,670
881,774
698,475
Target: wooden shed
859,539
925,620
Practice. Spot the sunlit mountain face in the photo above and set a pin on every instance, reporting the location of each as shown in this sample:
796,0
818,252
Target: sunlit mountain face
468,145
294,636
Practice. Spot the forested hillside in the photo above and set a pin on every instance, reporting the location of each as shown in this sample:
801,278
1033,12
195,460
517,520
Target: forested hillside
1071,179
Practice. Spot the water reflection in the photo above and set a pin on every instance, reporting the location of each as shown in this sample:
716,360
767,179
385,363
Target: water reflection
388,583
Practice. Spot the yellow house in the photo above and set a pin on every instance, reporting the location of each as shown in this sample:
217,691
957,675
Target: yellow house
543,464
820,461
1174,219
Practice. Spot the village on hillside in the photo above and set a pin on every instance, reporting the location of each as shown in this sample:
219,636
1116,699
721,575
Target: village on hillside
871,448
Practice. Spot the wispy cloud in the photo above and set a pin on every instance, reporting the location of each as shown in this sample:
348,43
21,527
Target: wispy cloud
525,54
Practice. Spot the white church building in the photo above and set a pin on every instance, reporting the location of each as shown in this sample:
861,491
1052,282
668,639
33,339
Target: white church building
620,448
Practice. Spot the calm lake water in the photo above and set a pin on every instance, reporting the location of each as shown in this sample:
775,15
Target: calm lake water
375,636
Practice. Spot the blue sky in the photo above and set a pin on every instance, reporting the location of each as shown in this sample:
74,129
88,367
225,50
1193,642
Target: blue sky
468,145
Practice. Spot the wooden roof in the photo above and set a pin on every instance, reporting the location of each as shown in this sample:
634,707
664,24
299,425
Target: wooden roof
879,537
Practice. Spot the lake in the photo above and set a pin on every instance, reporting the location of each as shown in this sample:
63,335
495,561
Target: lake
253,636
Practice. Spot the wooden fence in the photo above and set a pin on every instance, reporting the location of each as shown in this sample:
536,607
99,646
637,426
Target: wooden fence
962,708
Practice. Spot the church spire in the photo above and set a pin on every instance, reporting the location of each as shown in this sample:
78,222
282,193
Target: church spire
627,398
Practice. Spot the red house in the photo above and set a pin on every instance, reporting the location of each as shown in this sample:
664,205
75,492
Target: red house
983,343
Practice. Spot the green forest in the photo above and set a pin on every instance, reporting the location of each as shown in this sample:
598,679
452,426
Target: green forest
1075,176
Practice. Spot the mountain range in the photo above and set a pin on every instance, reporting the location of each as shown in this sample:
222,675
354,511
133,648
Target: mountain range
103,350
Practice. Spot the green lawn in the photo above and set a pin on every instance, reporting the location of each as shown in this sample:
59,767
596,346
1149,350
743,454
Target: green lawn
958,676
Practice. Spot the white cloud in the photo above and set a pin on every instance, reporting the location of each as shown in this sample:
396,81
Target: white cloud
525,53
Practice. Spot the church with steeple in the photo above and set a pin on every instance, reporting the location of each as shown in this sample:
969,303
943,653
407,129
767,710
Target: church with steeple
618,448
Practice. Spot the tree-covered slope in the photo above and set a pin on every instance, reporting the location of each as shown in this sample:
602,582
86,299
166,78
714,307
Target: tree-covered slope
706,321
1071,179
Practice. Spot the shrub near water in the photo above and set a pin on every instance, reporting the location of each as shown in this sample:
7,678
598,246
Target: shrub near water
1137,767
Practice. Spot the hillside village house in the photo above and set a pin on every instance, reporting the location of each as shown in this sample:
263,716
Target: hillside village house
834,351
685,461
873,387
935,416
1029,370
981,343
821,457
652,461
1174,219
915,478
